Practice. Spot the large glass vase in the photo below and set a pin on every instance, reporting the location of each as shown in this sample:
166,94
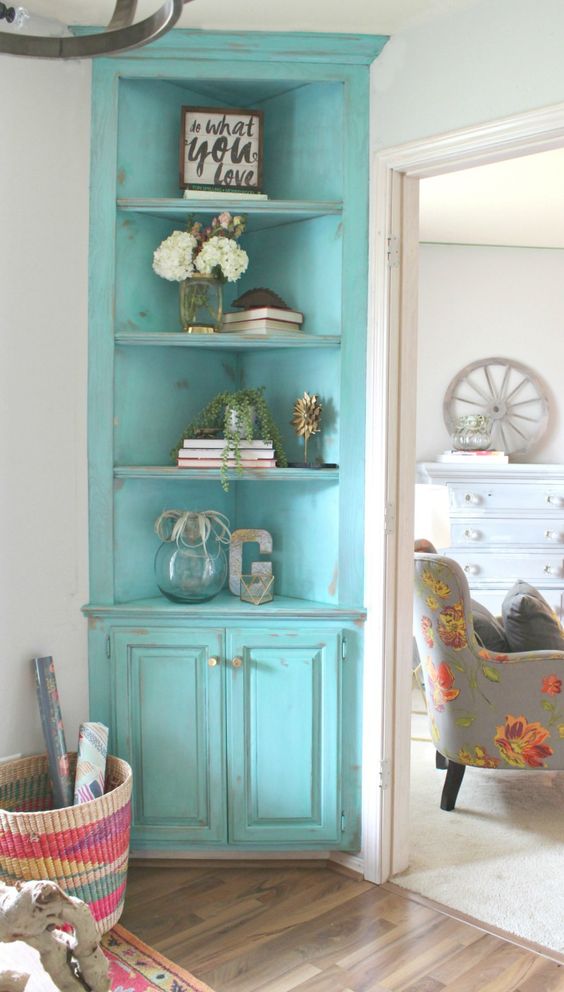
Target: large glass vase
191,563
201,304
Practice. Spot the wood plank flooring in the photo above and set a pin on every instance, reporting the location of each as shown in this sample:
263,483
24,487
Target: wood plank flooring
309,929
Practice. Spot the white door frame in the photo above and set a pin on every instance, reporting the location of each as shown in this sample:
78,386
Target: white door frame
390,454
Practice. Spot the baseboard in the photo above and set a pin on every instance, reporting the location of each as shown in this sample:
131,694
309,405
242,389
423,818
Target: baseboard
511,938
347,864
236,859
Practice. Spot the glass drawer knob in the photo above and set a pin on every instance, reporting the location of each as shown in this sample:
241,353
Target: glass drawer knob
471,498
471,535
212,662
554,500
237,662
551,535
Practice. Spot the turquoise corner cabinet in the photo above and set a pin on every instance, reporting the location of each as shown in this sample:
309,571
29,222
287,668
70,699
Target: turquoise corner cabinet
242,723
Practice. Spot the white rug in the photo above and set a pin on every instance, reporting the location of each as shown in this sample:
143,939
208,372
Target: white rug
499,856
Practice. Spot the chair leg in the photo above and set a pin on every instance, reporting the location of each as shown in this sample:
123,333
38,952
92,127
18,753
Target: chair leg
453,781
440,761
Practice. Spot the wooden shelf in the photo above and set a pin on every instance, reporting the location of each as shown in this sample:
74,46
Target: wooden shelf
226,607
249,475
260,215
226,342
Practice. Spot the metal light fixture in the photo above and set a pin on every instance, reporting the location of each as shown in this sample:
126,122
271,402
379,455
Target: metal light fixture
120,35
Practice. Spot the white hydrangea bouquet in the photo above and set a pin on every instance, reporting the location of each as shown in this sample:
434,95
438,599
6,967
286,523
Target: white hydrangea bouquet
201,259
209,251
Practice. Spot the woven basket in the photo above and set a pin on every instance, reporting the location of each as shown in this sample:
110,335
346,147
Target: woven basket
83,848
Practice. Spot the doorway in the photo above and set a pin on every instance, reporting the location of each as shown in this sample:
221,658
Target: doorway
391,454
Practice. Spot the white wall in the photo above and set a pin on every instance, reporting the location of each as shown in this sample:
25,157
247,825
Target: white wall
478,302
494,59
44,164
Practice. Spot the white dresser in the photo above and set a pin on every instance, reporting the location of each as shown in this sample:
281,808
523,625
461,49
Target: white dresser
507,523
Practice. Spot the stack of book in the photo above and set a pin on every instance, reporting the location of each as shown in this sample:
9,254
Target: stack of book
263,320
475,457
207,453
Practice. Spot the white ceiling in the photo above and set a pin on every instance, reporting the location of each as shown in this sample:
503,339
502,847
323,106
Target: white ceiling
356,16
517,202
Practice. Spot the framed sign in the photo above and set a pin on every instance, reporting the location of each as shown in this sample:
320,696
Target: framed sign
221,149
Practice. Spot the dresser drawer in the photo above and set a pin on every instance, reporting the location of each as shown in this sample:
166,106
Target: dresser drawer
479,531
508,567
507,496
492,598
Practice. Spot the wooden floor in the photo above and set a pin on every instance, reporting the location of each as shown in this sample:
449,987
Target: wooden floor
275,929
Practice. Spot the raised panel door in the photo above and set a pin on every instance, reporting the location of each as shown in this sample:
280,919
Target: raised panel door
169,720
283,695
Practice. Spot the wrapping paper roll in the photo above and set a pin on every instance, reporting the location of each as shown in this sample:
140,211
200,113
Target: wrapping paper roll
91,762
53,731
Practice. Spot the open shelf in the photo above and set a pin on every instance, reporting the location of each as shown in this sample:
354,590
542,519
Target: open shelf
249,475
226,341
261,215
225,607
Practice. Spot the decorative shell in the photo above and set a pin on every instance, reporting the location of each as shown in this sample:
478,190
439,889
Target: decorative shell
260,298
307,415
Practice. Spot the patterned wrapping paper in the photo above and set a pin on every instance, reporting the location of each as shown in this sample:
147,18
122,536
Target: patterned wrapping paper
91,762
53,731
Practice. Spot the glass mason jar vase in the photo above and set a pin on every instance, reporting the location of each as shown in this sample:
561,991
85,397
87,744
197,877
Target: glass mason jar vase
201,304
191,563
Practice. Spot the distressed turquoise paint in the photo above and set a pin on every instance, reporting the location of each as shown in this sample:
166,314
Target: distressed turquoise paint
353,348
173,718
157,394
169,712
257,46
135,542
309,242
304,530
260,215
264,475
287,259
228,342
224,608
283,725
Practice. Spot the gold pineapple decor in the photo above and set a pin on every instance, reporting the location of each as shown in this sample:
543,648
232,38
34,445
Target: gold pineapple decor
307,418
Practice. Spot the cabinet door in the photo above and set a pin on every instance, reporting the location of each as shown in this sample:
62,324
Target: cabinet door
283,693
169,720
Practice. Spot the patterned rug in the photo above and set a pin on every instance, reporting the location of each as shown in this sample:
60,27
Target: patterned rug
135,967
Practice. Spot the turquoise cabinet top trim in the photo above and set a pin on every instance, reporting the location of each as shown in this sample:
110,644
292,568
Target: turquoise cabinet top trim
248,46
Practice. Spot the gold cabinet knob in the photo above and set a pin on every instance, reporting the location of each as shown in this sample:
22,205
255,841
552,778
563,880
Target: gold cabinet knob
212,662
237,662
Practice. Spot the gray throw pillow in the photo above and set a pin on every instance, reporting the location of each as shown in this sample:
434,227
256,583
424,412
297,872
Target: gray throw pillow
488,630
529,622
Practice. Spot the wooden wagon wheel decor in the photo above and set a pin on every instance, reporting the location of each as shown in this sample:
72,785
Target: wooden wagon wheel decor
506,391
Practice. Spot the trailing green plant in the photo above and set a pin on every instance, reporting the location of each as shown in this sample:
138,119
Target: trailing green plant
239,415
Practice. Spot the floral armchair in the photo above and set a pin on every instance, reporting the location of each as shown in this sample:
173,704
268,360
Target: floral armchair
485,709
